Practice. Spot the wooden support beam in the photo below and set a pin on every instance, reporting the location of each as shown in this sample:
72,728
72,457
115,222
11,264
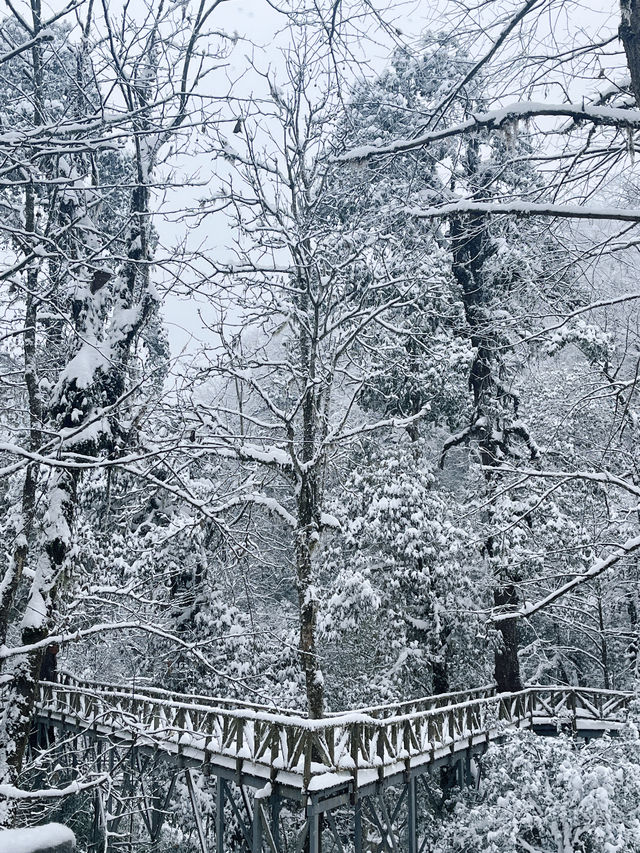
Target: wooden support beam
145,806
159,813
376,820
334,830
125,790
423,846
266,828
300,842
275,801
314,832
398,805
219,815
391,836
240,819
357,826
202,837
256,830
412,803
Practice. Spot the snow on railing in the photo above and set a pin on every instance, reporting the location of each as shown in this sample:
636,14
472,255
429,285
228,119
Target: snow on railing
134,686
323,752
426,703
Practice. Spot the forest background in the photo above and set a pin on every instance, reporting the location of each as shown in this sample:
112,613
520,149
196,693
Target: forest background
319,351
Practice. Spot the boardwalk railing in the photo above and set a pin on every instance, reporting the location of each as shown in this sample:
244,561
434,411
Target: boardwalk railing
395,709
357,746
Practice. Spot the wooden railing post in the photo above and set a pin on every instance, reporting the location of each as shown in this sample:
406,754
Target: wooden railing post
406,743
354,737
308,753
380,751
430,737
239,745
275,751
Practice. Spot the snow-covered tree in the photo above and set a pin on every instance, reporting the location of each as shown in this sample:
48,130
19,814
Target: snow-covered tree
398,577
77,255
461,354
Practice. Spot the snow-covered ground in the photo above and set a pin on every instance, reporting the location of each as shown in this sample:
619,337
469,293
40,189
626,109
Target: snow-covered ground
50,838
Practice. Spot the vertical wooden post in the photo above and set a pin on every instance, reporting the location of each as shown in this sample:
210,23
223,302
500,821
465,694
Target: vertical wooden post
256,829
112,760
275,816
196,811
308,752
468,775
354,736
357,826
219,815
95,825
412,837
314,831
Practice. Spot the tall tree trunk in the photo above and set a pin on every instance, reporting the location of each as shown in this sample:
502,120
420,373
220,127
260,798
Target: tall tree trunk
308,500
11,579
506,664
13,574
471,247
54,550
604,650
308,613
306,536
440,677
629,32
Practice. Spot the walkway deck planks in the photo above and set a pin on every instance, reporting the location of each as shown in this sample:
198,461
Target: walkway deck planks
344,759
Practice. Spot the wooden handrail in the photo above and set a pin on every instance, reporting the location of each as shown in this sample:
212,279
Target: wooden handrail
342,743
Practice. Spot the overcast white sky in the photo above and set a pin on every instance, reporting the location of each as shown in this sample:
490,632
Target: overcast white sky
262,37
260,31
259,23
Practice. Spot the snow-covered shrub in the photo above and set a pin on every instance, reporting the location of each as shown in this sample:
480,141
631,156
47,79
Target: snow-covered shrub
551,795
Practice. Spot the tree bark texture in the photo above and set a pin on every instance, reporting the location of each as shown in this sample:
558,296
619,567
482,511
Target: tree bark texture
471,247
629,33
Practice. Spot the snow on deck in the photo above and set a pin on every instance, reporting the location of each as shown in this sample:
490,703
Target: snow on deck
320,754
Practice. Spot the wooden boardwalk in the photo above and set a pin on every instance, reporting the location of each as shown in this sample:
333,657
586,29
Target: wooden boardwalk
364,769
331,760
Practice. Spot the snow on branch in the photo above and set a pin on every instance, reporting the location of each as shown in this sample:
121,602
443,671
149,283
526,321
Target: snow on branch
134,625
272,505
41,36
496,119
334,438
69,463
14,793
74,636
604,477
526,208
274,456
584,309
600,566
